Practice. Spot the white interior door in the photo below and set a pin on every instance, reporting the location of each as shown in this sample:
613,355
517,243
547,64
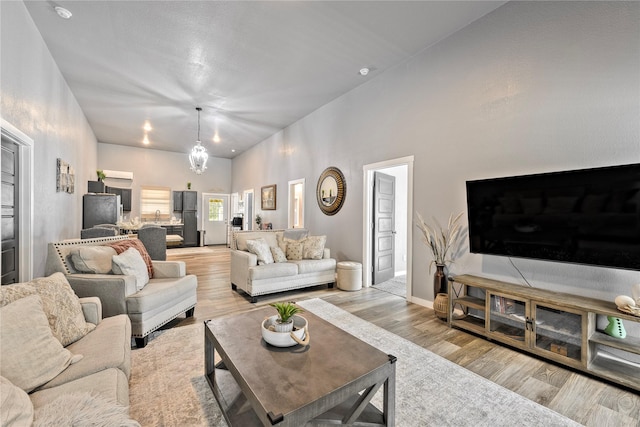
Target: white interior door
215,218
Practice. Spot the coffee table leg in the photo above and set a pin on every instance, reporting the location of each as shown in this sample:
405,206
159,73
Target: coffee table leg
390,398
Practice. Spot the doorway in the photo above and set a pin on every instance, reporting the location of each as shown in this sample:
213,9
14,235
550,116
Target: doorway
215,218
22,203
248,209
396,228
296,203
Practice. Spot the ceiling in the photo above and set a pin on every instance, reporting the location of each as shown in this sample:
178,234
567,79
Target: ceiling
253,67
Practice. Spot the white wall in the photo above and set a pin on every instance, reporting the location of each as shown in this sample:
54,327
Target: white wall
161,168
531,87
36,100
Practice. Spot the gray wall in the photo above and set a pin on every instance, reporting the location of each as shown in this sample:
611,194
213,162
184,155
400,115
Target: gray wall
161,168
531,87
37,101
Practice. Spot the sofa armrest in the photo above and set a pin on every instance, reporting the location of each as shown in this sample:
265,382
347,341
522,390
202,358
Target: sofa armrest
241,261
92,309
112,290
169,269
327,253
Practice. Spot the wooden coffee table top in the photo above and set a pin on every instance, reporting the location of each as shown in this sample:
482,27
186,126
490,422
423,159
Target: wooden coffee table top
285,379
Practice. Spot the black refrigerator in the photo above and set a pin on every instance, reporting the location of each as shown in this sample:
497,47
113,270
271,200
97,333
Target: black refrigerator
100,209
186,202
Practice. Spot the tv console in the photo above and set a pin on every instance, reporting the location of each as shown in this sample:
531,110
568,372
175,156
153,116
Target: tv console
556,326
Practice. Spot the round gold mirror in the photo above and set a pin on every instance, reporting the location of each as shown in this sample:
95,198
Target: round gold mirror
331,190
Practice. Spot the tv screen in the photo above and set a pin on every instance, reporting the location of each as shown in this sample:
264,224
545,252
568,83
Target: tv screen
587,216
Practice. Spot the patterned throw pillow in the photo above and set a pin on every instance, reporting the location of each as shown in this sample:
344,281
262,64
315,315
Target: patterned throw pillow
60,304
313,247
122,245
278,255
260,247
294,250
130,262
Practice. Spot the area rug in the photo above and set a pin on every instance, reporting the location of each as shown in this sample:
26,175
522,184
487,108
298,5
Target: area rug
396,286
168,387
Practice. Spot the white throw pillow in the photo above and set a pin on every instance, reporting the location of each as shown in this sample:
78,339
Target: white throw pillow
16,409
59,302
130,262
260,247
313,247
93,259
31,356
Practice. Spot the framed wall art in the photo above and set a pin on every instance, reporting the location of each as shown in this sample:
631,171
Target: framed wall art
268,198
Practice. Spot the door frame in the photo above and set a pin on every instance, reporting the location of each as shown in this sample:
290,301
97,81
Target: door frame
25,196
249,216
367,218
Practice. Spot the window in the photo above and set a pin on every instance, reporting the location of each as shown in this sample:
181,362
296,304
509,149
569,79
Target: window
155,203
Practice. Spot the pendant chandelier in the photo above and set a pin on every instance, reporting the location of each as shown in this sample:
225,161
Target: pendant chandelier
198,156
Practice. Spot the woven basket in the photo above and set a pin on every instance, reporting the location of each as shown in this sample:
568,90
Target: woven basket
441,306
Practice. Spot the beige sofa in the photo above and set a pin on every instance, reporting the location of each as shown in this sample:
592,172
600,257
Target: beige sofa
256,280
102,372
168,294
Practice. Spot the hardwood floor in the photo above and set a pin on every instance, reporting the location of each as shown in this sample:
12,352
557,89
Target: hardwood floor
584,399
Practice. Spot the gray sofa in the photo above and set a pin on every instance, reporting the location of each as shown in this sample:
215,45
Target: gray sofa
168,294
256,280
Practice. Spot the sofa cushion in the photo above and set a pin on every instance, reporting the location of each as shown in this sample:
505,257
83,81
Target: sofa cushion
313,247
294,250
30,354
241,238
278,255
59,302
83,408
93,259
110,383
130,263
109,346
160,293
280,269
16,408
122,245
260,248
315,265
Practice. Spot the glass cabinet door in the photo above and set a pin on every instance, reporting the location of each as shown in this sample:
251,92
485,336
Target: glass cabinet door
508,318
558,331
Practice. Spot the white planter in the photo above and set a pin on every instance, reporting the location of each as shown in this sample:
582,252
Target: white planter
283,327
283,339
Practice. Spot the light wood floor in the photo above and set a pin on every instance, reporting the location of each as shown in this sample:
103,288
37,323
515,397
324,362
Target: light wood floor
586,400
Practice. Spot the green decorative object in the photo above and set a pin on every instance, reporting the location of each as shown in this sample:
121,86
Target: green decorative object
615,328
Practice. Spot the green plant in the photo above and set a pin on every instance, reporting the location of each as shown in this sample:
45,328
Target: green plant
439,240
286,310
258,220
101,175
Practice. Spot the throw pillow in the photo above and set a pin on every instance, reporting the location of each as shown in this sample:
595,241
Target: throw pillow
278,255
260,247
313,247
83,409
122,245
93,259
16,408
130,262
60,304
31,356
294,250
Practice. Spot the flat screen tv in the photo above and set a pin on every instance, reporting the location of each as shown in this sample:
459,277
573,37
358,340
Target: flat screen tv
587,216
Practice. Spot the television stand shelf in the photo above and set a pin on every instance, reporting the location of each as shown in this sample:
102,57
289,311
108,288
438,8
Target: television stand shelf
557,326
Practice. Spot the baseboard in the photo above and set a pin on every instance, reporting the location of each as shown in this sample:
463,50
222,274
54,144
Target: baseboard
422,302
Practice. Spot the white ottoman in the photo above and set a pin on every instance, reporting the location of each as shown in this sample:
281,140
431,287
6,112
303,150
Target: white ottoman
349,276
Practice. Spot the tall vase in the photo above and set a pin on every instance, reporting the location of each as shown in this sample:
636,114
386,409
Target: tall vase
439,280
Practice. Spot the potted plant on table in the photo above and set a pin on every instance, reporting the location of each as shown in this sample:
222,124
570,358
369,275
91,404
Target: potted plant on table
443,244
287,328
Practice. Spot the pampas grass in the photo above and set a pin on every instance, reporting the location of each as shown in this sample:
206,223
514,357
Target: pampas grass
441,241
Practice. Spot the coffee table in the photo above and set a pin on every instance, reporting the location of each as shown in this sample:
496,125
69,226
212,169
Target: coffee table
331,381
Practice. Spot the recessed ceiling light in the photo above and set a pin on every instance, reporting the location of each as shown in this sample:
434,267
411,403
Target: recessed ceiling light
145,141
233,150
62,12
147,126
364,71
216,138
